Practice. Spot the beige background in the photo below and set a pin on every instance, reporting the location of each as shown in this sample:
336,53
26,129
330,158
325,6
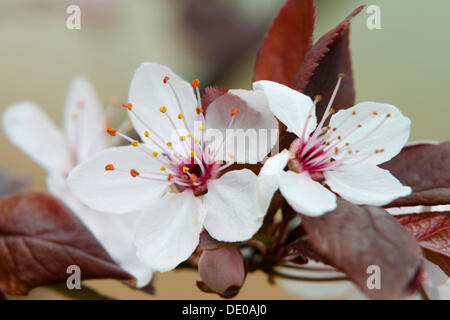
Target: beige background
405,64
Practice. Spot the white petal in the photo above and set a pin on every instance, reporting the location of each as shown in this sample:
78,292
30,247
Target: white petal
391,136
148,93
254,129
231,212
267,181
83,119
305,195
289,106
34,133
366,184
116,191
114,232
167,233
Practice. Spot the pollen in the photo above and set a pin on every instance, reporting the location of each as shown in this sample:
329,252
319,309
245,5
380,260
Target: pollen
195,83
354,113
234,111
166,78
169,176
155,154
339,137
388,115
109,167
127,105
336,150
134,173
193,178
146,134
185,169
180,116
359,125
375,113
169,144
201,127
163,109
318,97
135,143
334,129
199,110
340,75
347,144
111,131
162,168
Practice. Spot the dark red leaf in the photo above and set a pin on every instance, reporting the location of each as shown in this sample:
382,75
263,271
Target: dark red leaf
329,56
352,238
432,230
40,238
426,169
211,94
286,43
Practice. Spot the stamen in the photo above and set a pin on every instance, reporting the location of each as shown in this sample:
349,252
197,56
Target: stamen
199,110
185,169
109,167
193,178
146,134
134,173
155,154
163,109
180,116
195,83
111,131
234,111
166,78
162,168
127,105
169,176
135,143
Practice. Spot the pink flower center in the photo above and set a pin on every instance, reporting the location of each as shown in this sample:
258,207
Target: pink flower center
188,163
326,148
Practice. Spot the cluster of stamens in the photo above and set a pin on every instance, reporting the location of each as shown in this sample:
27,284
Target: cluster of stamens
189,166
317,152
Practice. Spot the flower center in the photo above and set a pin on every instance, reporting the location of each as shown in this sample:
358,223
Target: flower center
326,148
189,162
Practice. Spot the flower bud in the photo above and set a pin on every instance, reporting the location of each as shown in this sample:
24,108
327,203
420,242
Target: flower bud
223,271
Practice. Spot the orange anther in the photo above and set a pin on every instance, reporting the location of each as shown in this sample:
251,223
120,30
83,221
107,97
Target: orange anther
127,105
234,111
134,173
199,110
195,83
111,131
169,176
193,178
109,167
166,78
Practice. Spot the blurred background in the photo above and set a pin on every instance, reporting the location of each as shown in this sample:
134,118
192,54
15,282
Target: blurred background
404,63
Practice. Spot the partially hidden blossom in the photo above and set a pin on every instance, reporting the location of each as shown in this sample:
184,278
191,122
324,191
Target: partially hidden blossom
222,270
58,151
336,157
175,176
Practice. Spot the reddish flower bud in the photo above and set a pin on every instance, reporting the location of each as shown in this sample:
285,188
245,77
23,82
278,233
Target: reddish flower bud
223,271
